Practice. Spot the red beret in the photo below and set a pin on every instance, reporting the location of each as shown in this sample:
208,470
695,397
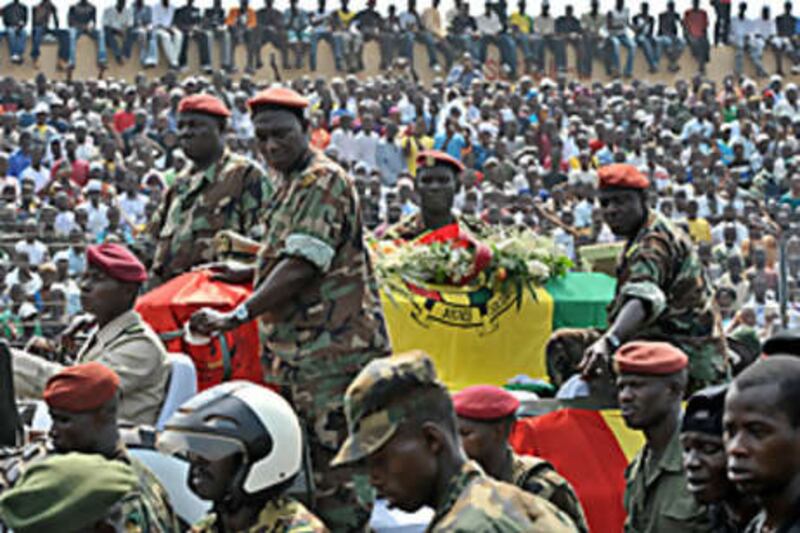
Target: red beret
485,402
117,261
81,388
595,145
278,96
649,358
429,158
203,103
622,175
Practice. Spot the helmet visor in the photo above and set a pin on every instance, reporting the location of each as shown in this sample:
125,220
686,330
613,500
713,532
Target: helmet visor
203,445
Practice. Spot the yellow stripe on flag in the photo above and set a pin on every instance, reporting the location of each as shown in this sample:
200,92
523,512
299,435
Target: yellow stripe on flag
473,340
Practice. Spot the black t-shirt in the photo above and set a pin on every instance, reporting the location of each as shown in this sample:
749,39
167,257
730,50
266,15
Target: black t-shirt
785,25
186,17
668,23
214,17
568,24
369,21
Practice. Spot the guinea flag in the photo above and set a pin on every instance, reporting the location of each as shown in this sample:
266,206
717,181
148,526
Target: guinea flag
477,336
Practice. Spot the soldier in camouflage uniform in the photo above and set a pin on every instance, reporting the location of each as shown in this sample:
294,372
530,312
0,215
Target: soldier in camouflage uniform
485,419
71,492
402,428
663,292
220,190
316,295
245,465
437,183
83,401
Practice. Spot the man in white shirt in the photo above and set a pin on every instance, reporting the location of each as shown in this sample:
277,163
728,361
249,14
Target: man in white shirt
241,123
618,36
36,171
96,212
65,219
170,38
490,27
24,275
745,39
367,141
117,23
35,250
132,204
344,140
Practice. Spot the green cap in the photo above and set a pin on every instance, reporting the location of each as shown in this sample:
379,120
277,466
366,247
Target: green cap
373,414
65,493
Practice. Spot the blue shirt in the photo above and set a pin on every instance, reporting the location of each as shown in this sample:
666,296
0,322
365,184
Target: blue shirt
454,146
17,163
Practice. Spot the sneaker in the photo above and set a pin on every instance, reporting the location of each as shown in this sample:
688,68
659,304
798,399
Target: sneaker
437,69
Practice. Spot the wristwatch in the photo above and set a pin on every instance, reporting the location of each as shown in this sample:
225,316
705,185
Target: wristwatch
241,313
613,342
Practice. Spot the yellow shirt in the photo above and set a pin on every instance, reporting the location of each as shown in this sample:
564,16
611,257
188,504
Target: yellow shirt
699,229
411,158
521,21
345,17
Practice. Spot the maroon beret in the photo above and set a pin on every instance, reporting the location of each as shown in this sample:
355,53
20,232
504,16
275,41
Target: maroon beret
622,175
81,388
278,96
204,103
117,261
485,402
430,158
649,358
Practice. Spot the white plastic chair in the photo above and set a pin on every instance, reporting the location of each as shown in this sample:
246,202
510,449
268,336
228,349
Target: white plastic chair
182,386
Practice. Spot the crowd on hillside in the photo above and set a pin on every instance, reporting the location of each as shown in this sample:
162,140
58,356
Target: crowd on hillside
522,36
87,162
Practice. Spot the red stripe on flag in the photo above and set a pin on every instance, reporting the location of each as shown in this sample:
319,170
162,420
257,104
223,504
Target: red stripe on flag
584,450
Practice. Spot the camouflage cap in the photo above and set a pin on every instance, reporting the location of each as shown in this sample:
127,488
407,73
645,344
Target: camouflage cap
371,402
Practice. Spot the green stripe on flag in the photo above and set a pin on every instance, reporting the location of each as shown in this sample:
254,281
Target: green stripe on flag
580,299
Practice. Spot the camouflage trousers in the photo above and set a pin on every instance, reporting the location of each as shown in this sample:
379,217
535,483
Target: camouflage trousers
341,497
708,360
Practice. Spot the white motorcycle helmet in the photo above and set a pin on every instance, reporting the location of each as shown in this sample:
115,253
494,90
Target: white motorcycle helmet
239,417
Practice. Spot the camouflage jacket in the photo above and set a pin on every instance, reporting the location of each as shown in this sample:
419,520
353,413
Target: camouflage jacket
661,268
475,502
315,215
284,515
231,194
146,511
152,511
412,226
537,476
656,497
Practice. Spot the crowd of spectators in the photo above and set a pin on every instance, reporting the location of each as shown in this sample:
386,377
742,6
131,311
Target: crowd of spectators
87,161
515,31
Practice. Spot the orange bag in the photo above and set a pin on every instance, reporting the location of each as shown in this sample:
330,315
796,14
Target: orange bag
234,355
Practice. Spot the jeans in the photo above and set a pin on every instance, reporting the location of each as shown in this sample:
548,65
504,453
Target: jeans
670,46
700,49
318,36
203,45
223,35
650,49
16,41
390,46
508,50
148,55
589,45
116,42
523,41
466,44
407,41
558,49
98,35
755,51
783,46
38,35
278,39
615,42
